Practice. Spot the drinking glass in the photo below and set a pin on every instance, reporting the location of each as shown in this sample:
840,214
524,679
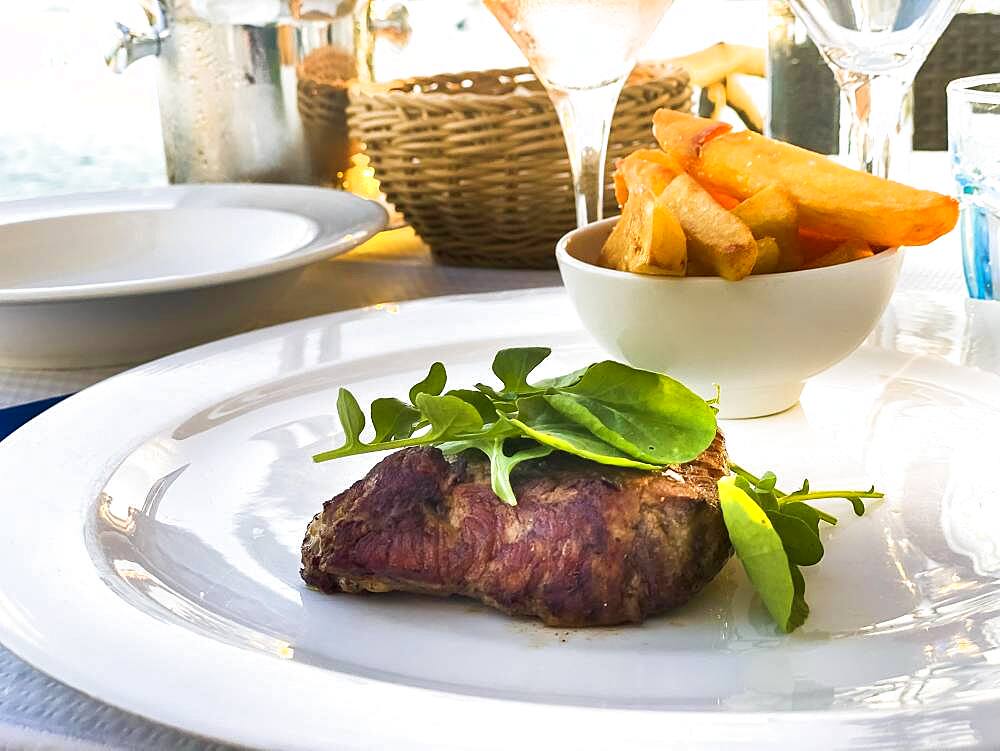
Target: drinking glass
974,143
875,49
582,51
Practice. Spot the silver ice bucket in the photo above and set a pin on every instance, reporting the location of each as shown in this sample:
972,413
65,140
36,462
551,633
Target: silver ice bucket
256,90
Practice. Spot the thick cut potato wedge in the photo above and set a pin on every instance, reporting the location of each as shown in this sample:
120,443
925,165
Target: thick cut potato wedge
768,256
648,239
649,169
715,94
812,245
851,250
682,136
727,202
832,200
719,61
743,105
716,239
771,213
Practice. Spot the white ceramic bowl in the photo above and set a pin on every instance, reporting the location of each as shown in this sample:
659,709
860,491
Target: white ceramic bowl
759,338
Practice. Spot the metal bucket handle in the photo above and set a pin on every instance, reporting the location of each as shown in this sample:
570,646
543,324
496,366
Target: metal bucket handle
130,45
134,45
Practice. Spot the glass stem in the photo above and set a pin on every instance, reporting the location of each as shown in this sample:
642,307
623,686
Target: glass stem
871,117
585,116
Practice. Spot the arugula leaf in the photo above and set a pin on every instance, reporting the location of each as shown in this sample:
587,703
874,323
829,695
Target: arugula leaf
448,415
432,384
802,544
648,416
800,608
538,420
500,430
794,524
808,514
766,500
392,419
352,419
501,465
761,552
489,392
856,497
562,382
513,366
857,504
767,481
482,403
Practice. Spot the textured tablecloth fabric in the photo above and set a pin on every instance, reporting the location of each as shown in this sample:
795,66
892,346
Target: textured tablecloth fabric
37,712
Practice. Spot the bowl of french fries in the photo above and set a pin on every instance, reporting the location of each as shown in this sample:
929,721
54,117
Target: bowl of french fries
742,262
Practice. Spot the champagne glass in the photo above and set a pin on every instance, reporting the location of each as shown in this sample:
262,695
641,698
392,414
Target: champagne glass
582,51
875,48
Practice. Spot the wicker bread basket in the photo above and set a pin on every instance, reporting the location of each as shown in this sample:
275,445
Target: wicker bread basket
476,161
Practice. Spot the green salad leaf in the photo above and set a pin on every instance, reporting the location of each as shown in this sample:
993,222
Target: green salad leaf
482,403
647,415
501,464
610,414
448,416
433,384
607,413
393,419
352,419
537,419
513,366
760,550
774,533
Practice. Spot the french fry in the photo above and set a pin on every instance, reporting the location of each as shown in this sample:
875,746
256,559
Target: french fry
768,256
669,246
771,213
715,238
742,104
682,135
697,269
648,239
720,60
813,245
713,100
649,169
727,202
851,250
621,187
832,199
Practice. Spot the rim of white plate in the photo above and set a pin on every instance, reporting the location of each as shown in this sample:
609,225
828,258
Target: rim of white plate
323,206
181,682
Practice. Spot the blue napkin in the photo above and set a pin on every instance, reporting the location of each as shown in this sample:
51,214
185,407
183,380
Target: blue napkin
12,418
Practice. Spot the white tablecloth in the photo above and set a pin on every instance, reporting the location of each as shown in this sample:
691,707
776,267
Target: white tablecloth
37,712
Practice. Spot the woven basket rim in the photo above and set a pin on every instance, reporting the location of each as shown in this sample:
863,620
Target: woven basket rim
463,160
400,90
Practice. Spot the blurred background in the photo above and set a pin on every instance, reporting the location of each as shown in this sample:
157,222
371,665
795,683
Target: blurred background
70,124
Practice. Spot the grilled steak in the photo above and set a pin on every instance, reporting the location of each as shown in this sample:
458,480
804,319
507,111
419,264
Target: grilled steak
586,545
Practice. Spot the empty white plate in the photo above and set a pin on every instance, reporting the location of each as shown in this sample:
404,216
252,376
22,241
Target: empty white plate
110,278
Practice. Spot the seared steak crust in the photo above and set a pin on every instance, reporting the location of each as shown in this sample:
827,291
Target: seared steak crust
586,545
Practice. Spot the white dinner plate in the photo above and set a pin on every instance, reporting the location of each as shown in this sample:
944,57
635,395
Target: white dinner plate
149,556
101,279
